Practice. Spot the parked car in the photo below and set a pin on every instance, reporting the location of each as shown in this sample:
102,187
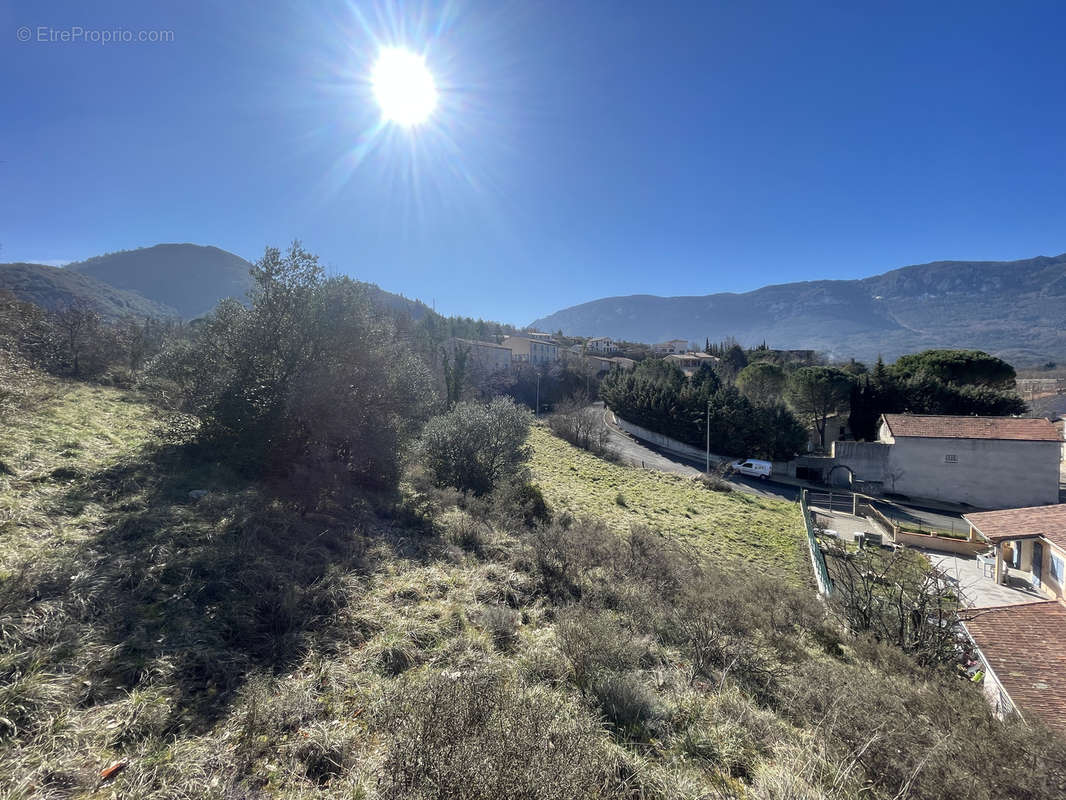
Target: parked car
752,467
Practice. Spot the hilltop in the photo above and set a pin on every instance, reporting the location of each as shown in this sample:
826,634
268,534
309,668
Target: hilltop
1014,309
166,280
189,277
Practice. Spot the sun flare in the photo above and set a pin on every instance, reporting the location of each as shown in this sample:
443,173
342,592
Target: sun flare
404,87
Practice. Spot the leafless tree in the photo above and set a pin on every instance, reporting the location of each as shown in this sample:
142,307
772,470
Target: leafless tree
897,597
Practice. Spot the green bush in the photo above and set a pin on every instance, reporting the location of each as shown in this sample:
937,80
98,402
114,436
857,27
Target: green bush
310,375
475,446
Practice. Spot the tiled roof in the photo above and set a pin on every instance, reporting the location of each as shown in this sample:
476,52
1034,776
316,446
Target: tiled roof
1022,523
944,427
1023,645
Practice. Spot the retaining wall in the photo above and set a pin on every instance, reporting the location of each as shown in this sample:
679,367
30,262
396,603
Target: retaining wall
665,442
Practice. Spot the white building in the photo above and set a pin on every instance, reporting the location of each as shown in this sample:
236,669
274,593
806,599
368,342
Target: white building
600,345
985,462
670,347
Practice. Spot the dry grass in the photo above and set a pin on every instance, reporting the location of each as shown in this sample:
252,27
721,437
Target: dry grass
758,531
233,648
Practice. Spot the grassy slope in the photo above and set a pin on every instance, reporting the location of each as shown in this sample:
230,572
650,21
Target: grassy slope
756,530
233,649
74,430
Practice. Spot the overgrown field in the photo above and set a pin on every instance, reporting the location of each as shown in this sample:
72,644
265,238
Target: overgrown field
155,644
760,532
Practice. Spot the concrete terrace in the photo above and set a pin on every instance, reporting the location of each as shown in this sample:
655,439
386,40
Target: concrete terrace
976,588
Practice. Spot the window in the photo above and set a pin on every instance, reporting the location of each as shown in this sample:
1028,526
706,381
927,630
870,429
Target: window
951,458
1058,568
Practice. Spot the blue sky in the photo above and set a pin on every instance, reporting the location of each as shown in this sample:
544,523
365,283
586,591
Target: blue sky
581,149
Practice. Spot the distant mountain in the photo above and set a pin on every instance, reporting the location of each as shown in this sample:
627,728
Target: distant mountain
1015,309
189,277
55,288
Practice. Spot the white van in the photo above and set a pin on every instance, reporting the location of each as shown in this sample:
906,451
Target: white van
752,467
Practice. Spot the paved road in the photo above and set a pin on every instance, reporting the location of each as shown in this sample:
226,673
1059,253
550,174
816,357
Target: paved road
643,454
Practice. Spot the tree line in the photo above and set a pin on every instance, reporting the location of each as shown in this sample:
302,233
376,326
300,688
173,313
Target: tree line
657,395
758,400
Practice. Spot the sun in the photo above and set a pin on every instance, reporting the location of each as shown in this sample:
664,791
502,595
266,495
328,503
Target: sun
403,87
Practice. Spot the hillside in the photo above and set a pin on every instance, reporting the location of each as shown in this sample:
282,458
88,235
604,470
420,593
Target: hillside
157,644
166,280
55,288
189,277
1015,309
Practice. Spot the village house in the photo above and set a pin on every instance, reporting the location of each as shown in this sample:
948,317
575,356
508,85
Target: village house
600,345
986,462
1029,545
670,347
1021,652
690,362
1021,645
532,350
486,355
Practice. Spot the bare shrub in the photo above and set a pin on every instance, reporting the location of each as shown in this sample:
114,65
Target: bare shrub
714,482
581,424
897,597
484,737
501,623
597,644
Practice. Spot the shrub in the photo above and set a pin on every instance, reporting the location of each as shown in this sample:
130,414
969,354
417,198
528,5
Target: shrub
516,500
310,375
486,737
501,623
597,643
474,446
714,482
580,424
626,702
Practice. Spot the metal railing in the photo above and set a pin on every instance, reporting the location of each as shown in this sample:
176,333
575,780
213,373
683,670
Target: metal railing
821,572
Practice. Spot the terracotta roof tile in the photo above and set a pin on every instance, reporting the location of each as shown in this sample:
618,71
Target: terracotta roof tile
1023,645
1022,523
946,427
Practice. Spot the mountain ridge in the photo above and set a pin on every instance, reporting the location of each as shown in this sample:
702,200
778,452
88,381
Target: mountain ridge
165,280
1016,309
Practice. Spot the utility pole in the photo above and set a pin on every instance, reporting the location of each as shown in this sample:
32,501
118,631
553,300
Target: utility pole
708,469
536,413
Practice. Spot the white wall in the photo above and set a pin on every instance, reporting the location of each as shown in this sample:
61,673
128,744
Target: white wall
989,473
